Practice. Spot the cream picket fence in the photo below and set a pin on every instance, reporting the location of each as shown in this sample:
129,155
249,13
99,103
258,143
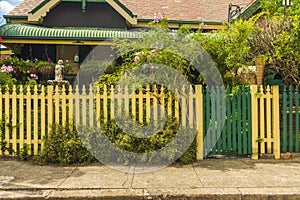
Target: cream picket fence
28,114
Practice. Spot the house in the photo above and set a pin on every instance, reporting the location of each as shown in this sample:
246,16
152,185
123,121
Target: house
70,29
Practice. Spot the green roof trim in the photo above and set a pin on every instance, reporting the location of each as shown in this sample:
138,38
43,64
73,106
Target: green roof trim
15,17
125,9
23,31
253,8
39,6
183,22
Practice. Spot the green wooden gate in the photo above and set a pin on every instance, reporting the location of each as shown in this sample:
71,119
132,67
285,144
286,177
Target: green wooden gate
227,121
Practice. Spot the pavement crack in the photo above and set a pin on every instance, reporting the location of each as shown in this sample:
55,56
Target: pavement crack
198,176
67,177
131,185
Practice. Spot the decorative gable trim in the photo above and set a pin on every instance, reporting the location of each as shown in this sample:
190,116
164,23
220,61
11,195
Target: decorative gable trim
41,10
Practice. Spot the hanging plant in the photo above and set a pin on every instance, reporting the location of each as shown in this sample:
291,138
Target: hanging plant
45,68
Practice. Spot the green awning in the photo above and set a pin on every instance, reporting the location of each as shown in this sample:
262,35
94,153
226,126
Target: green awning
24,31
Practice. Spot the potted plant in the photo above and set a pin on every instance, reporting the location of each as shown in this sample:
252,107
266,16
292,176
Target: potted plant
45,67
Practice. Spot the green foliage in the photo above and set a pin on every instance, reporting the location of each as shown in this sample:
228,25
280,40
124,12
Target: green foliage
6,79
157,48
276,39
122,140
63,147
273,34
25,72
24,152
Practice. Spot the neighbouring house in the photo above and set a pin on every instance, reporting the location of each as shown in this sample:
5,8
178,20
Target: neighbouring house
70,29
4,52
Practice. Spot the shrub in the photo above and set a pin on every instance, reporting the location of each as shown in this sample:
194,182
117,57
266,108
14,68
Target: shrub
63,147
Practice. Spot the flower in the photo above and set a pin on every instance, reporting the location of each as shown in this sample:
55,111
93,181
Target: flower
136,58
8,69
34,76
153,51
157,17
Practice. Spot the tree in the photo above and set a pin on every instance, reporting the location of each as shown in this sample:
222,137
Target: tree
276,39
273,34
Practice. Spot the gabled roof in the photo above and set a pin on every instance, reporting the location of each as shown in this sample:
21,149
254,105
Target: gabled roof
178,10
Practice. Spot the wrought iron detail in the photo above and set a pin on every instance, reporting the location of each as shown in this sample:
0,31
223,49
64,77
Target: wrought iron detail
234,11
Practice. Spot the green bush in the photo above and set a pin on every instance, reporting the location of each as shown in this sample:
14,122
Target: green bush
100,143
63,147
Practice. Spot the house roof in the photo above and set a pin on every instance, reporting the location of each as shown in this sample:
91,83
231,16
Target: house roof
180,10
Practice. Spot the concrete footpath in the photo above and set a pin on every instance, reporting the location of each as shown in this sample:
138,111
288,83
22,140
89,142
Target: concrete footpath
208,179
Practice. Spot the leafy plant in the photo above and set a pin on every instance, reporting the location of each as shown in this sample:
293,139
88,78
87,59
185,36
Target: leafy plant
146,149
24,152
63,147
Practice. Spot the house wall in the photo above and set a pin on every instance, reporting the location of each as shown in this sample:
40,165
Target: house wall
70,14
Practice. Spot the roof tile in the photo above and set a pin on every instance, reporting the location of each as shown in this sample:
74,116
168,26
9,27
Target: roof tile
25,7
186,10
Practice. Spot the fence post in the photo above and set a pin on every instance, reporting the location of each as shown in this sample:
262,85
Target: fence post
254,112
199,120
276,122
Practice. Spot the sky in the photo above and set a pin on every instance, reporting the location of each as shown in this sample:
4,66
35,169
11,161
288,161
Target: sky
5,7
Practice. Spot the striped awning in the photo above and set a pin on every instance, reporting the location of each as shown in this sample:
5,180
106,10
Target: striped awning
25,31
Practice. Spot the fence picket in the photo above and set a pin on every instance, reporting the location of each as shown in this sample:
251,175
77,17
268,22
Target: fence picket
105,111
262,120
14,118
249,110
290,100
268,120
284,121
255,129
50,90
199,122
28,117
22,124
218,119
43,115
297,119
63,106
91,106
35,121
244,126
229,120
70,98
234,123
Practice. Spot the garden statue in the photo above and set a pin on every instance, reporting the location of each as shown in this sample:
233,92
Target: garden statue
59,67
59,70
